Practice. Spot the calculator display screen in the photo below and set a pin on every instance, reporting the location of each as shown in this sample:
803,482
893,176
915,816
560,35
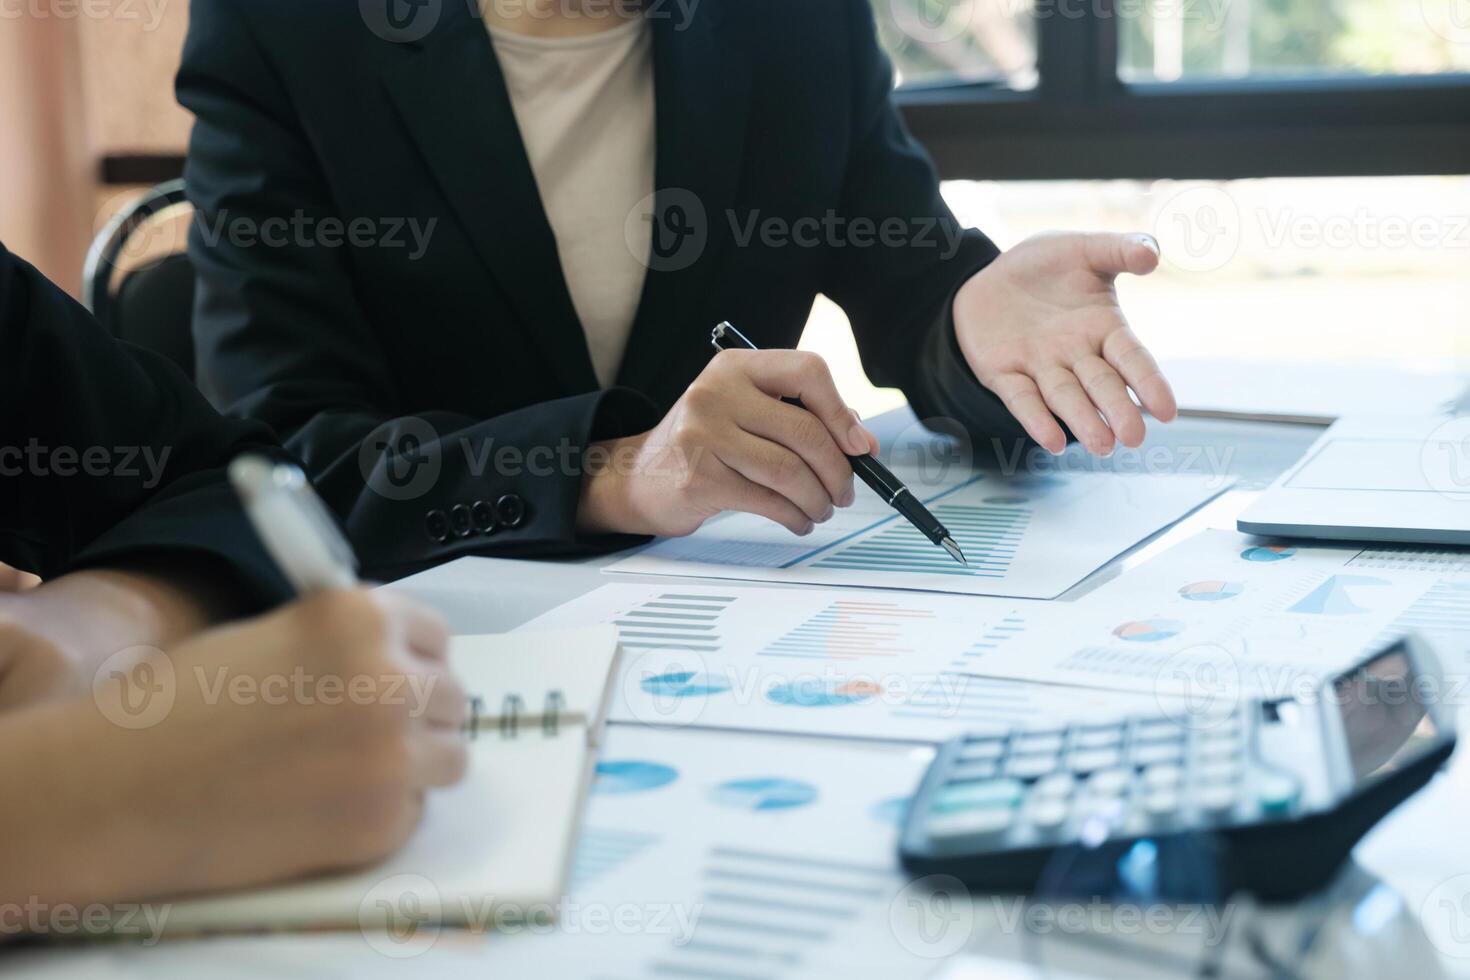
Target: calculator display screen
1383,704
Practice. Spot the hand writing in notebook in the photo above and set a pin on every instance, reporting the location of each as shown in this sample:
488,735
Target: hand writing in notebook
298,743
498,846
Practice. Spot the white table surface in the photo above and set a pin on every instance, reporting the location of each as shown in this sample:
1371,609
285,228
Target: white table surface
1421,852
1403,907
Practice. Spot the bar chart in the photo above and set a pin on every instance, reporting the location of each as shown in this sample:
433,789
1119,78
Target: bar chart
1438,560
988,534
1445,608
674,621
1025,536
801,660
1442,615
853,628
983,703
772,911
601,851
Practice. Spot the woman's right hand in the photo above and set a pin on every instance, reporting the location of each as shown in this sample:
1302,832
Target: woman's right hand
730,443
297,743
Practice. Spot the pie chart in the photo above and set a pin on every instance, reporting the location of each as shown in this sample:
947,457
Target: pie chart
685,684
1149,630
890,811
763,794
815,692
1268,553
631,776
1213,591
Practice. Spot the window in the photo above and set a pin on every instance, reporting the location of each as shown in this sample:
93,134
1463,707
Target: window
980,40
1200,89
1343,270
1348,271
1170,40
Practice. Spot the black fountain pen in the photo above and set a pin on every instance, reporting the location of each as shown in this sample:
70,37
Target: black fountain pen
868,469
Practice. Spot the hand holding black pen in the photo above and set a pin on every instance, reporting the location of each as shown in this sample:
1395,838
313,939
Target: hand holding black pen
868,469
730,444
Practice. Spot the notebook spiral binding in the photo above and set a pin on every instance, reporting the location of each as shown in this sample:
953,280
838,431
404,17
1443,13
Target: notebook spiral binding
512,712
510,715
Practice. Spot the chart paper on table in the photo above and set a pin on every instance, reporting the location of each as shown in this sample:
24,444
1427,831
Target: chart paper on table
1026,536
710,855
1225,614
703,855
863,664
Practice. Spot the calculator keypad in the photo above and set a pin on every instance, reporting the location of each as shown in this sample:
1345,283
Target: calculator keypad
1035,786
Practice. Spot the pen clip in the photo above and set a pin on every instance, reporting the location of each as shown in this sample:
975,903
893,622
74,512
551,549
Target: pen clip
720,337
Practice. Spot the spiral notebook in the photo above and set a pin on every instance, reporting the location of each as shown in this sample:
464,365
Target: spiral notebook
494,849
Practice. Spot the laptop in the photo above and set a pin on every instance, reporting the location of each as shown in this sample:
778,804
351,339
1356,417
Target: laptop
1400,479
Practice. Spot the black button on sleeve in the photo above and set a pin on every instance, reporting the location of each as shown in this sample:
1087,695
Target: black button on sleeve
461,520
510,510
436,525
483,514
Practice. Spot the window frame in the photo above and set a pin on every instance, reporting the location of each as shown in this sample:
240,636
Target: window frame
1083,122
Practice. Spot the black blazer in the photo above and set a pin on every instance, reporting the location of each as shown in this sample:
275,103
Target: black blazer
109,455
766,109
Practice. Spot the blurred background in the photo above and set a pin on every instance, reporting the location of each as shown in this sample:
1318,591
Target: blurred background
1303,162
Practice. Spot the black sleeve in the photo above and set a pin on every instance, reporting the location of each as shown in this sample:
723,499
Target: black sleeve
899,293
282,337
108,455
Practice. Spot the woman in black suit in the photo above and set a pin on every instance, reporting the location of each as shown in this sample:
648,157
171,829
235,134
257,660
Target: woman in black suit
465,261
135,774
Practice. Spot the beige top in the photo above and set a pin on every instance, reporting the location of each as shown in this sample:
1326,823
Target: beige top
585,107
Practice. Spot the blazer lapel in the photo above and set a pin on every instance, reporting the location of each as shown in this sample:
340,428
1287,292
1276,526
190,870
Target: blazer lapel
452,96
702,77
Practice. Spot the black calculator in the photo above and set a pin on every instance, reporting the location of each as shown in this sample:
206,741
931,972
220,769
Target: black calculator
1282,788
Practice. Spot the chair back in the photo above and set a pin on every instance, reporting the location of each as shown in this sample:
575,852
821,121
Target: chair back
138,281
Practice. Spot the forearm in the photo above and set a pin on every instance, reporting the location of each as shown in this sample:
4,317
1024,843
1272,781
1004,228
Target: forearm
92,614
66,835
606,506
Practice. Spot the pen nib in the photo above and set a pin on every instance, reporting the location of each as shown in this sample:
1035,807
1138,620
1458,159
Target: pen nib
954,551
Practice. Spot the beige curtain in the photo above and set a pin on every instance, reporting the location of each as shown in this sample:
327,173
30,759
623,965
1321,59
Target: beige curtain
46,167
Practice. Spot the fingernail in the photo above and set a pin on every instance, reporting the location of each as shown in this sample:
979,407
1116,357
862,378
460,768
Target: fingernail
1149,242
857,440
807,530
848,498
831,511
